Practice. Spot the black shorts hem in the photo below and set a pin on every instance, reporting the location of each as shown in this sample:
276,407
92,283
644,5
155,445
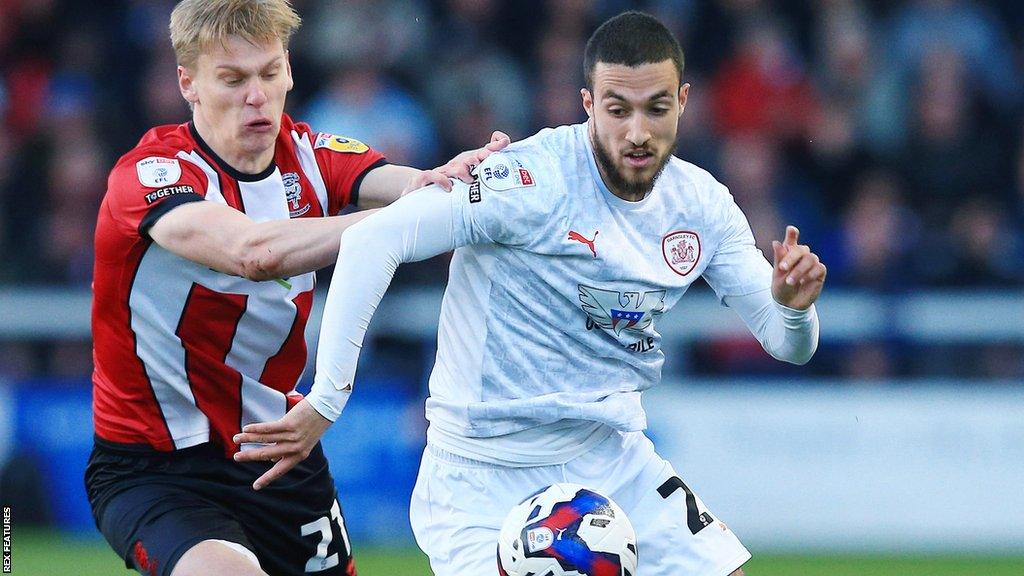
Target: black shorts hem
152,508
185,546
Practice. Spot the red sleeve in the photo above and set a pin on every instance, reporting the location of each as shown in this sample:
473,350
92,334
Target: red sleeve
146,185
343,162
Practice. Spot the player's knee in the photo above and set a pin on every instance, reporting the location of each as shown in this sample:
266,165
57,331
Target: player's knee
218,557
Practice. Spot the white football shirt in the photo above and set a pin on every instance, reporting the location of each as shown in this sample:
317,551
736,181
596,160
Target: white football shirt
549,320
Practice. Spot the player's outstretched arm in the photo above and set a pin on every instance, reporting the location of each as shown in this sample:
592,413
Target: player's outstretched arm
384,185
783,319
228,241
416,227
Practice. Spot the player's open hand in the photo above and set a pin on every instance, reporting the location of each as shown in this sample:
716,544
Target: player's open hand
799,274
288,441
459,167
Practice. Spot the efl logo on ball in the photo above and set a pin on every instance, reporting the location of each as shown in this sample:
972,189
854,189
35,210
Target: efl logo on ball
539,539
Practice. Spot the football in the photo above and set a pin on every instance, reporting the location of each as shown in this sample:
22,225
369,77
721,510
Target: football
567,530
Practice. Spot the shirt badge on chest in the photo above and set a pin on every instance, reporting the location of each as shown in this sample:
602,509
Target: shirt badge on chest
681,250
293,194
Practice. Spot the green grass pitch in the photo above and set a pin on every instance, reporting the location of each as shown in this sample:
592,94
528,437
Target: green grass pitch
51,554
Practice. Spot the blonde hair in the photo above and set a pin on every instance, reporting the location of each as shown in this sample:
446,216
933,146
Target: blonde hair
198,24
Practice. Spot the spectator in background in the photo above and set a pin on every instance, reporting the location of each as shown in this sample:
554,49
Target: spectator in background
763,87
697,137
159,97
755,172
558,73
948,152
969,29
77,172
29,62
919,30
982,248
877,235
1017,194
364,103
870,361
751,167
6,153
483,86
843,72
389,34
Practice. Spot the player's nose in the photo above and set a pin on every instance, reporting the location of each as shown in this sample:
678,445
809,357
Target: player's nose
257,95
638,133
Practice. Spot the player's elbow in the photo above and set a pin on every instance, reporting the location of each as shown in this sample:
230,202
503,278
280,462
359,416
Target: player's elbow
255,260
360,235
794,355
801,359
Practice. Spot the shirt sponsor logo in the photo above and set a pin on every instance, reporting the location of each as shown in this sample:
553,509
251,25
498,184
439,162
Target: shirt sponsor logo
340,144
681,250
169,191
293,194
631,312
156,172
539,539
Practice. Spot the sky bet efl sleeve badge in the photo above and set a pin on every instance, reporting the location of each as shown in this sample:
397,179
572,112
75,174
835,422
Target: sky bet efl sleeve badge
506,174
340,143
156,172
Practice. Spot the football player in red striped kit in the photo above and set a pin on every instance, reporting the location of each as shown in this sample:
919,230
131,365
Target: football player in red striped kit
206,244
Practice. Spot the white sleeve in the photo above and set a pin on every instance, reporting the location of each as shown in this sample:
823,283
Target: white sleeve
510,203
416,227
787,334
737,267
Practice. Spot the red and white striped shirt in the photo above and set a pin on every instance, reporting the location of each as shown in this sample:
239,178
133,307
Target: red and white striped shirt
184,354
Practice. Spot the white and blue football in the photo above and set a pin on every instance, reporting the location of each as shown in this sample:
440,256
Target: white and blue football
567,530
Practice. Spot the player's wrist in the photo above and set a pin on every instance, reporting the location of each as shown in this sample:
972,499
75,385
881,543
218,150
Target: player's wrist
329,406
794,317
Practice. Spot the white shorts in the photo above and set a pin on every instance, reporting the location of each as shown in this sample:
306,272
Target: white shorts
458,507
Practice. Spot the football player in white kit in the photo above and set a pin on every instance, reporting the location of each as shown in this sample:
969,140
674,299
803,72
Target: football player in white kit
568,248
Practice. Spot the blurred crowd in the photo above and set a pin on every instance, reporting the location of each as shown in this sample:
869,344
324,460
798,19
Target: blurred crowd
892,133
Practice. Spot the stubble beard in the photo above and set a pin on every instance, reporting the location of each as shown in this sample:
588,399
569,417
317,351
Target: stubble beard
636,189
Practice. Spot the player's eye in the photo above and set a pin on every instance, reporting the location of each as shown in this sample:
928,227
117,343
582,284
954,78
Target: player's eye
617,112
659,111
233,81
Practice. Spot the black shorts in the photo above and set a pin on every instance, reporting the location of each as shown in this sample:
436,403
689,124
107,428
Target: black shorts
153,506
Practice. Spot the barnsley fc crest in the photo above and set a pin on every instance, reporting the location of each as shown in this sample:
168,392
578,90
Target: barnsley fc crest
681,250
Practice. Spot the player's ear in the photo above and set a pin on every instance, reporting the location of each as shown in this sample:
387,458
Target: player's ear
588,102
187,86
684,93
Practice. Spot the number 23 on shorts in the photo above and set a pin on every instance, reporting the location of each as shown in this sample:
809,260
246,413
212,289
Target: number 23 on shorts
695,519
